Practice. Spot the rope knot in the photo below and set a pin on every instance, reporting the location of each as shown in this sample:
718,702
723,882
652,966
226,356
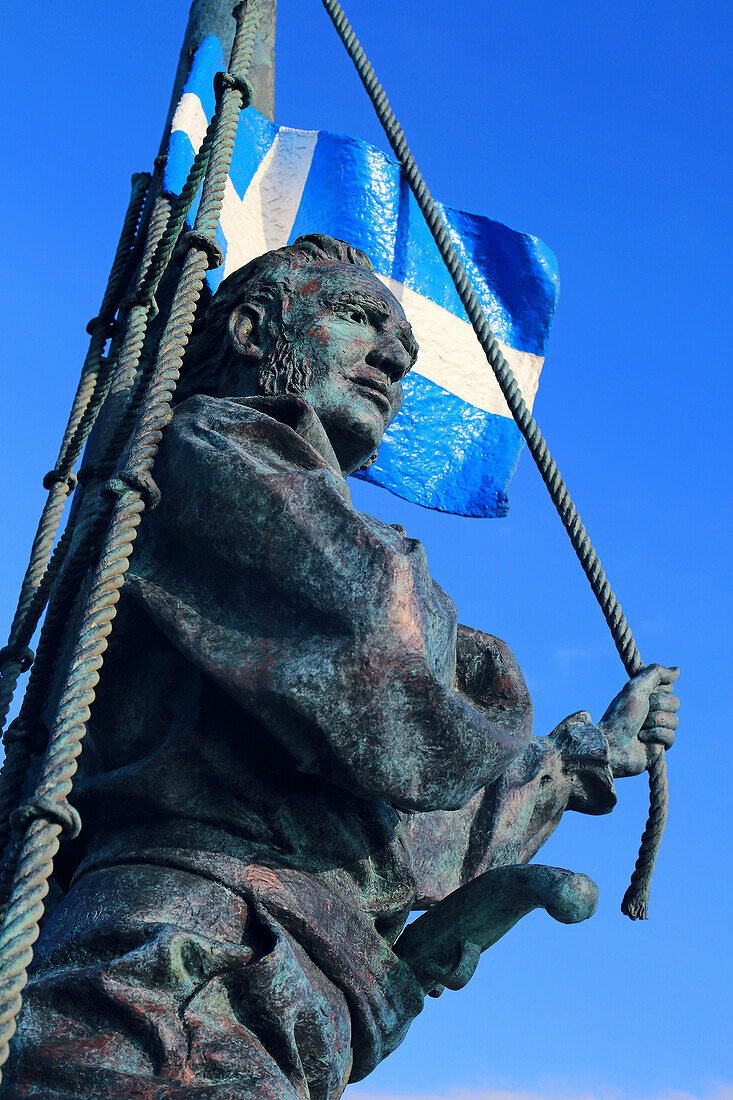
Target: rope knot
58,477
195,239
101,322
225,81
48,809
142,483
141,297
22,656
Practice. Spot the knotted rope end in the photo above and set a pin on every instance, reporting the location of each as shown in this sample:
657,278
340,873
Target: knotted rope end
636,904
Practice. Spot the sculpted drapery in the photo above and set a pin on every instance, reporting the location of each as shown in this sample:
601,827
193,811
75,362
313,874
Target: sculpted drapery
295,758
294,743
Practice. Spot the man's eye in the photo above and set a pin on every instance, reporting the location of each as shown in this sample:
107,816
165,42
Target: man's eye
353,313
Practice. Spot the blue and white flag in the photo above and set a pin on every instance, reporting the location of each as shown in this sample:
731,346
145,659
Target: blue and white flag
454,445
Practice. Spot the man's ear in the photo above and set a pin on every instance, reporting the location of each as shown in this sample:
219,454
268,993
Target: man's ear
245,331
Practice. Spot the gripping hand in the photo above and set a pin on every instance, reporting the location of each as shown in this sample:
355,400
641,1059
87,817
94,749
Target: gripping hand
643,713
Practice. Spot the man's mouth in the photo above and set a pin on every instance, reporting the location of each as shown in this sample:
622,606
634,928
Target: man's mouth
376,388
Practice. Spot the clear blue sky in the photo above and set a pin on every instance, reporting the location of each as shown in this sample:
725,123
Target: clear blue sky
605,130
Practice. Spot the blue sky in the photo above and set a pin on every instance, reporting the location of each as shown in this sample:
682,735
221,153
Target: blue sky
605,130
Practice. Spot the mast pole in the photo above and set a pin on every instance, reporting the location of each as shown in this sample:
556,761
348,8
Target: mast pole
215,17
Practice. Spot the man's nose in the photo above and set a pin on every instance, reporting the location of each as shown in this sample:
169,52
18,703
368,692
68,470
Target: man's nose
391,357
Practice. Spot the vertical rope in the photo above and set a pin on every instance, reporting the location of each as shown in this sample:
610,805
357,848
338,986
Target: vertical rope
119,373
636,899
80,542
48,814
15,657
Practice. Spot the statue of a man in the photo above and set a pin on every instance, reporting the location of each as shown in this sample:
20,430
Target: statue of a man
294,743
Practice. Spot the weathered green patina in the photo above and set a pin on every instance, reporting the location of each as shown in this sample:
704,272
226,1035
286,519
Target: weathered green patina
294,743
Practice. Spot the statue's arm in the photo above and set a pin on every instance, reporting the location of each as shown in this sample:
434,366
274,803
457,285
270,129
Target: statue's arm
509,820
257,567
573,768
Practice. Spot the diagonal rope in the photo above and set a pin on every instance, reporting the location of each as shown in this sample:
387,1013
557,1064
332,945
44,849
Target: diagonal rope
68,563
99,376
636,899
48,814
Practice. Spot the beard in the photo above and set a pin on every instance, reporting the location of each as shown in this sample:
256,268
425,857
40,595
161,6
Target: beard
284,369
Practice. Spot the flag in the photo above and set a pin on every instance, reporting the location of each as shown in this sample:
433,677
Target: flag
454,444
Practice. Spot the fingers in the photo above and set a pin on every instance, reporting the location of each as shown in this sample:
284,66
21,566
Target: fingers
662,720
655,677
663,707
659,735
662,689
663,700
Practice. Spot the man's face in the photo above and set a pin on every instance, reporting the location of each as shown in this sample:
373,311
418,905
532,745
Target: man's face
352,333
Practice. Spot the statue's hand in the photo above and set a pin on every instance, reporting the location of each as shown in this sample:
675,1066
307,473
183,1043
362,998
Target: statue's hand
643,713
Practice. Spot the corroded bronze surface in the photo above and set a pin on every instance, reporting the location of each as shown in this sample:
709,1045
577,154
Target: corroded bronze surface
294,742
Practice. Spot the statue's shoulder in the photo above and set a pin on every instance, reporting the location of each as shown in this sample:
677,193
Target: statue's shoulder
284,419
286,410
247,439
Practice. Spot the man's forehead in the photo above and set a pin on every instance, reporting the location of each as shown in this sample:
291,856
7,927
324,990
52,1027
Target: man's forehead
338,281
334,283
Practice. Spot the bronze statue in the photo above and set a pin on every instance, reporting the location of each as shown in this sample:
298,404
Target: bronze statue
294,743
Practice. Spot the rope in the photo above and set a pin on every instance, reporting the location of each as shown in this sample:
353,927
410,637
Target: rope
164,230
40,841
635,902
123,389
59,481
68,564
167,220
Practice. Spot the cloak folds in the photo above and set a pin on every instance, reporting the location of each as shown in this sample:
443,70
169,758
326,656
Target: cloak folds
293,744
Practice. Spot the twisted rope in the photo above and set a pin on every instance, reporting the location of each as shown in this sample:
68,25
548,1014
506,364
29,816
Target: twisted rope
59,481
41,836
125,385
68,564
167,220
164,230
636,899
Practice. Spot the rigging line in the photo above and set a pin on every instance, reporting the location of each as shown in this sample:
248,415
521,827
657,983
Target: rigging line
15,657
93,390
82,536
48,814
636,900
59,583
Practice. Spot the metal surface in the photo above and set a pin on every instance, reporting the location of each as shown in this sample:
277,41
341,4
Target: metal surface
473,918
215,17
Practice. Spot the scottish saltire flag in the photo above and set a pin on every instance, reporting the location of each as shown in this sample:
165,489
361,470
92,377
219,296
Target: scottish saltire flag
454,445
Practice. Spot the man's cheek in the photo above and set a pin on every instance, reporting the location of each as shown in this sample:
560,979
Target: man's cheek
354,342
397,399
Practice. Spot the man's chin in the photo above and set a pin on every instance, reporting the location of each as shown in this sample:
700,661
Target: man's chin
354,458
355,441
